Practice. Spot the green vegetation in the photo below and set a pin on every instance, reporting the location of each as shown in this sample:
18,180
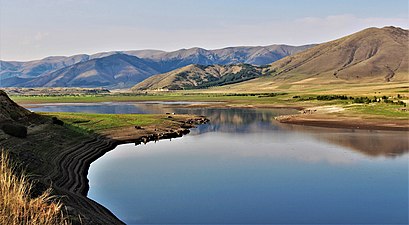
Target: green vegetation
248,72
365,99
242,98
381,111
84,122
381,101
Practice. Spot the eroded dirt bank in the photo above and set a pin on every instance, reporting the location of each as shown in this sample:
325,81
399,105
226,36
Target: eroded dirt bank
59,157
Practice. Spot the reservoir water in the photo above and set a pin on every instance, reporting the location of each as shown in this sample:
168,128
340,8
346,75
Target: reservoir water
246,168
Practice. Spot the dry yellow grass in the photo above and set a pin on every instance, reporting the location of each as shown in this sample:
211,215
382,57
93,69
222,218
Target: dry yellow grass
16,206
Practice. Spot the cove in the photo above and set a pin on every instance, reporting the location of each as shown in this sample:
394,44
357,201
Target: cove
245,168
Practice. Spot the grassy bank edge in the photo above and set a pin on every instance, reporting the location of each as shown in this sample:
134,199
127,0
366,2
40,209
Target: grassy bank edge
389,107
97,123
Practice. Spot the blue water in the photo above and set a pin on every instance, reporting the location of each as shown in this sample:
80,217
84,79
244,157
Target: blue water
245,168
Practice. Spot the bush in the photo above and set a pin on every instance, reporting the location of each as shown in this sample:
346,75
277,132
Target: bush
332,97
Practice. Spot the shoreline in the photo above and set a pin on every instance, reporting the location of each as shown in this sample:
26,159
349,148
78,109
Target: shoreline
75,167
59,157
323,118
344,122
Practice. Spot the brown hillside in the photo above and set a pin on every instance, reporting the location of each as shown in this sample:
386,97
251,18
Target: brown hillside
10,111
372,54
196,76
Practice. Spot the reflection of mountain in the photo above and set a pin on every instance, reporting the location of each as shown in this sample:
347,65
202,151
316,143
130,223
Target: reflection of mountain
228,120
369,142
236,120
242,121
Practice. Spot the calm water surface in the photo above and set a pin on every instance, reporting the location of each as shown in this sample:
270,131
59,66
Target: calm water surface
245,168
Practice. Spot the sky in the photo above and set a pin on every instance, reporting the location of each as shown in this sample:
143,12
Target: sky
34,29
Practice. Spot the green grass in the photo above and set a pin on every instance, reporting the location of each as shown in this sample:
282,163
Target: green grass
379,110
100,122
199,97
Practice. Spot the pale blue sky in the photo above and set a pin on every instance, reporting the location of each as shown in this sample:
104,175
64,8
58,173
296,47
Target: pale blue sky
34,29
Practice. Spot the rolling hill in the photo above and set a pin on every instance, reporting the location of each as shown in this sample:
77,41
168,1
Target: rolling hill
373,54
198,76
40,73
369,56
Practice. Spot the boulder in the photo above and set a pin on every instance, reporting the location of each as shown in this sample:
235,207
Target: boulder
57,121
14,129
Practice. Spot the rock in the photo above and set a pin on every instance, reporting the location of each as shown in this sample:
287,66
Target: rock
186,126
57,121
14,129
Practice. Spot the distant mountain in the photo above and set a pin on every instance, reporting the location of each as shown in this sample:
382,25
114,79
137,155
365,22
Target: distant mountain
17,73
36,73
198,76
168,61
380,54
118,70
371,55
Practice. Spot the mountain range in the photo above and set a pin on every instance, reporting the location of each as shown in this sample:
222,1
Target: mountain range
121,69
370,55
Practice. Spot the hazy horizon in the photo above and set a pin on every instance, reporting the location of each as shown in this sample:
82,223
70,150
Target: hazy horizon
34,30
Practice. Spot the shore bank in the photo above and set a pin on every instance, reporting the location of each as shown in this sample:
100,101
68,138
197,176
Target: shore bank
384,114
334,116
58,156
344,122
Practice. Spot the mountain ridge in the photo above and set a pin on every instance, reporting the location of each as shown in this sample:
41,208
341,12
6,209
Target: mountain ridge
22,74
370,55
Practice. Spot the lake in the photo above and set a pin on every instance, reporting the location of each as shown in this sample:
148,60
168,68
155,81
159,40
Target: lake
246,168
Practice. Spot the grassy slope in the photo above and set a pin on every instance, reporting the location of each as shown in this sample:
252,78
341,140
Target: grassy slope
101,122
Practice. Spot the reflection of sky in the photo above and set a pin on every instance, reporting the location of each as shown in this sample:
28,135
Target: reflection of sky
244,167
249,178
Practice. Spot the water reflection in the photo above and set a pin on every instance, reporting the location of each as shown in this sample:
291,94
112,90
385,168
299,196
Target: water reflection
244,120
246,168
269,177
369,142
372,143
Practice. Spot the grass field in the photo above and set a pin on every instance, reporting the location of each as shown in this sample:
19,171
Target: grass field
87,122
300,94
